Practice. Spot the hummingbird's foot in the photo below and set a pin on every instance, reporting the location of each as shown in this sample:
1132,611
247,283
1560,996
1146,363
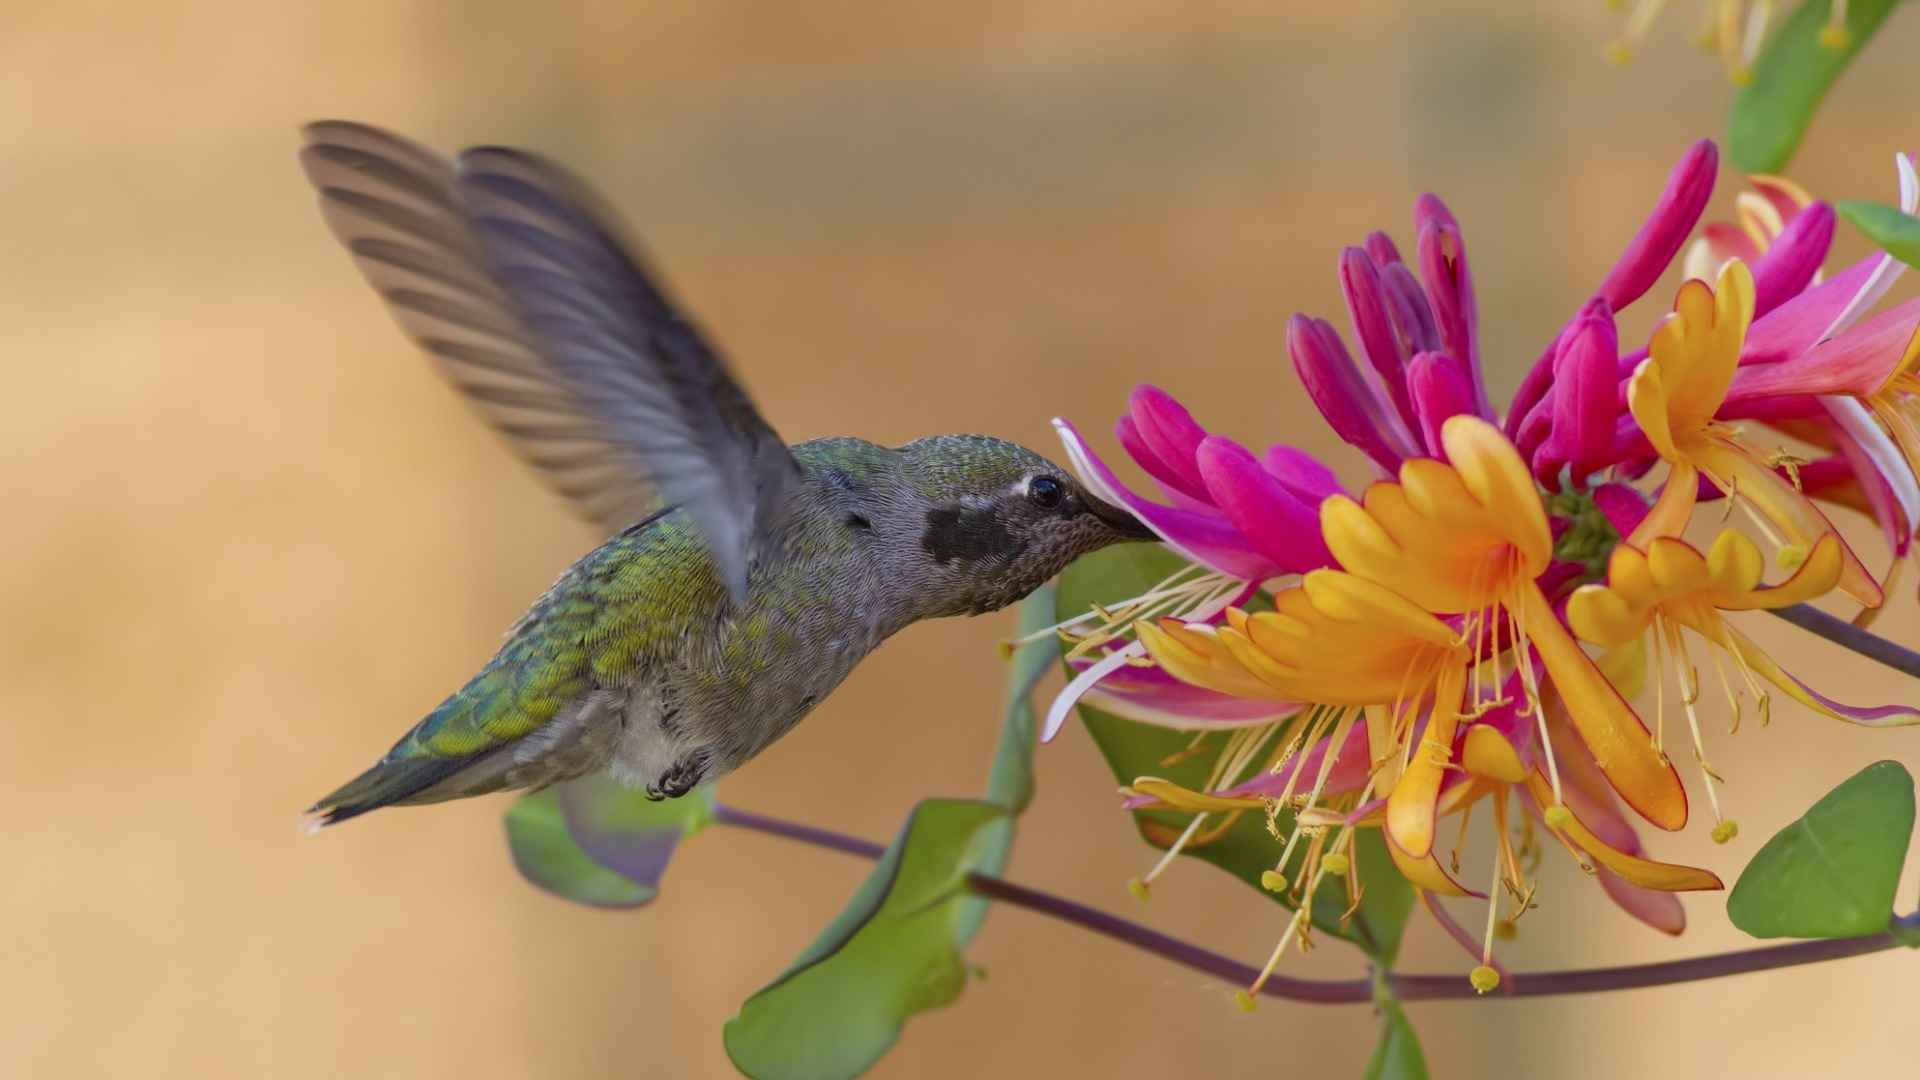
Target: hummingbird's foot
684,776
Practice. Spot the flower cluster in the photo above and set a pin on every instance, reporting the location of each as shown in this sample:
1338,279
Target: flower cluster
1473,626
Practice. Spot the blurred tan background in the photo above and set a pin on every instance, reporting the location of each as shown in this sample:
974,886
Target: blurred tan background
249,538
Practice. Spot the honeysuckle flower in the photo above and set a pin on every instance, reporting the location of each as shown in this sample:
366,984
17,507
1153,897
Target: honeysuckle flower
1471,539
1668,584
1244,518
1790,396
1689,187
1424,664
1734,29
1674,396
1761,215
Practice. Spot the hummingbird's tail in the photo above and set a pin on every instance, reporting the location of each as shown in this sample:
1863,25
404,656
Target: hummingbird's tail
513,725
393,781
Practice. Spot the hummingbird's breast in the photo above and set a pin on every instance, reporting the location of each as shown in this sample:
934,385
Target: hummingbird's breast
705,678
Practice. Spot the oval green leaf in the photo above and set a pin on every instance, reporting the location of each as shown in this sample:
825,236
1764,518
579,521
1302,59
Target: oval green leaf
1833,873
595,842
899,946
1891,231
1790,77
896,950
1397,1056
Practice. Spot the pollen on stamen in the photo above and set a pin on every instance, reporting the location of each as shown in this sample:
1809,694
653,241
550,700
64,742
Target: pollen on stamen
1558,817
1335,863
1140,889
1483,978
1726,831
1243,1001
1273,881
1791,556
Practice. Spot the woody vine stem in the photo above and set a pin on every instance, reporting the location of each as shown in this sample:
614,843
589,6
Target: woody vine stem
1418,987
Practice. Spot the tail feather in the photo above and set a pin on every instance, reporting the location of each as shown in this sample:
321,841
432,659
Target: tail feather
392,781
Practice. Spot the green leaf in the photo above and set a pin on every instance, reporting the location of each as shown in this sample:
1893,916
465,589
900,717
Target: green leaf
1833,873
899,946
1011,782
595,842
1891,231
896,950
1792,74
1397,1055
1246,850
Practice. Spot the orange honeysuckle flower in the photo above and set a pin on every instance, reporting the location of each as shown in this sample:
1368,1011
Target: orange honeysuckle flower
1673,396
1670,584
1469,538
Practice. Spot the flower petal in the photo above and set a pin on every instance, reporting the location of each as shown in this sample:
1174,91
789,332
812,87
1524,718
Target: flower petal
1367,307
1277,523
1351,407
1585,394
1441,390
1171,433
1204,538
1449,286
1689,186
1619,742
1765,667
1667,877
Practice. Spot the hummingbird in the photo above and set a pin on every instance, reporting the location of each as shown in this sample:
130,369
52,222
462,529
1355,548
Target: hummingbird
743,579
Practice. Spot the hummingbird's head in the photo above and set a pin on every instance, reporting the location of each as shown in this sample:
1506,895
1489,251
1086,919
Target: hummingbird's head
995,521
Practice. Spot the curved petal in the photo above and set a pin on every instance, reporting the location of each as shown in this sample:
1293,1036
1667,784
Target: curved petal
1283,528
1202,538
1619,742
1667,877
1681,203
1413,804
1763,665
1167,429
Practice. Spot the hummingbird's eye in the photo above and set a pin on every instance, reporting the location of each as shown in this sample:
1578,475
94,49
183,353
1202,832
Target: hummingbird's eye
1046,491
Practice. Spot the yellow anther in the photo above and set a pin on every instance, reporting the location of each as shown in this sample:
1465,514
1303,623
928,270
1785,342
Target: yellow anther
1834,36
1243,1000
1140,890
1725,831
1335,864
1791,556
1741,76
1620,53
1273,881
1483,978
1558,817
1505,930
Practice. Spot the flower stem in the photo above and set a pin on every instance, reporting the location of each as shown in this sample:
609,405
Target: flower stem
1407,987
1845,634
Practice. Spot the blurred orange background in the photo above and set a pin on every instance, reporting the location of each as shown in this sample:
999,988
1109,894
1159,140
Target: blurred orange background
250,537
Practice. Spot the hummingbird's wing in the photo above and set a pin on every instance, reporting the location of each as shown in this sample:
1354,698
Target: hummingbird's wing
506,273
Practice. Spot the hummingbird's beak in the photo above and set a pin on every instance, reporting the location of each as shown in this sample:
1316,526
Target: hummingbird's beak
1128,526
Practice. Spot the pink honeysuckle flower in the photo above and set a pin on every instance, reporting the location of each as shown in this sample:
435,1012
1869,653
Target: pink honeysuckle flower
1246,518
1679,207
1350,401
1581,433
